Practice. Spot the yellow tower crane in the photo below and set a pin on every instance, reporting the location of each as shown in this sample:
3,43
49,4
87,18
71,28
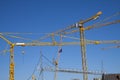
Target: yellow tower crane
57,59
82,42
12,45
82,37
11,71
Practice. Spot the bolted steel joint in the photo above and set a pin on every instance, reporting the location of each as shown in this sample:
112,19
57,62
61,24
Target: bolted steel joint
78,25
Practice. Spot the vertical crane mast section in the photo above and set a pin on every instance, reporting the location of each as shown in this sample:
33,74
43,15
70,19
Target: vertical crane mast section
11,72
11,66
57,59
83,51
83,43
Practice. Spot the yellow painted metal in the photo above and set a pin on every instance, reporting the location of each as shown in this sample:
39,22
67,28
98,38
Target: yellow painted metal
97,42
54,43
11,72
83,52
9,42
83,43
11,76
11,66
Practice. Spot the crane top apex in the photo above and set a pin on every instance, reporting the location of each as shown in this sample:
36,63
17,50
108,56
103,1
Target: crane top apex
99,13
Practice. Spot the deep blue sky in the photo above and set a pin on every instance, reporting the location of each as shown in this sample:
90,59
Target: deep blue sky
45,16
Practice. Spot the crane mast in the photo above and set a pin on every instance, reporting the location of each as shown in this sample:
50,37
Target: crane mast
11,66
82,43
11,72
83,52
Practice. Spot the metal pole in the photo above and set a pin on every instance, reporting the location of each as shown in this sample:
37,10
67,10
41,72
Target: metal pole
11,72
83,43
83,52
57,60
41,66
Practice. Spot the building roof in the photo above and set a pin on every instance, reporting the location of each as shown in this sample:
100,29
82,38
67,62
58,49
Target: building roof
111,77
